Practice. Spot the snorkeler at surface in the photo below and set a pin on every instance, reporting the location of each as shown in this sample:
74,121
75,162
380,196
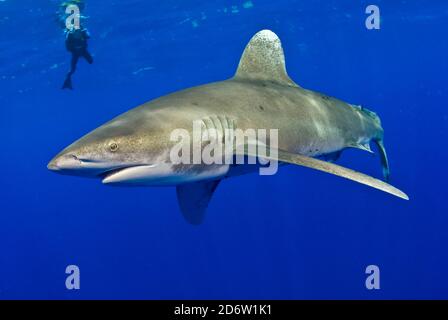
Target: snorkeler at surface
75,40
76,43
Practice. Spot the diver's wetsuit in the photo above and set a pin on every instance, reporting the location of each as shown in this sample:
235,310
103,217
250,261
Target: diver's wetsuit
76,43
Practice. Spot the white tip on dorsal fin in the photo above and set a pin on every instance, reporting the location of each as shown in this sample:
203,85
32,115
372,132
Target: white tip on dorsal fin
263,59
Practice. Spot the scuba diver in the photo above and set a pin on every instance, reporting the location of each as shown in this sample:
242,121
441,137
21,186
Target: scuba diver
75,39
61,15
76,43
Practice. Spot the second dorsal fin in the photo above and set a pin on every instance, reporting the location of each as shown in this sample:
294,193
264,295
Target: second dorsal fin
263,59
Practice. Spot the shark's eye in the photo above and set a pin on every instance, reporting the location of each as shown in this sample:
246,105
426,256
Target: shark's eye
113,146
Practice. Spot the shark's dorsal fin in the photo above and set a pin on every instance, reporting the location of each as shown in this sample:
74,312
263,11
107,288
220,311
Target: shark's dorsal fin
263,59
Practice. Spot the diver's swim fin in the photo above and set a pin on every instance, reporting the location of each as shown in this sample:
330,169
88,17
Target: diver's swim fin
68,83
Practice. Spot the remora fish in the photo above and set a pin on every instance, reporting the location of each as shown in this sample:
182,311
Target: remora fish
134,148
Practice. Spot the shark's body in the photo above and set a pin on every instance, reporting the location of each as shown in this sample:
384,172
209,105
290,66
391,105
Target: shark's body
134,148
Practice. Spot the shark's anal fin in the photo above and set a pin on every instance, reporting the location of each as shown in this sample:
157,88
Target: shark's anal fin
194,199
263,59
337,170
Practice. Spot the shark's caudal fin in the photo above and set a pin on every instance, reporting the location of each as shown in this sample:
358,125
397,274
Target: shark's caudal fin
194,199
331,168
383,156
379,143
263,59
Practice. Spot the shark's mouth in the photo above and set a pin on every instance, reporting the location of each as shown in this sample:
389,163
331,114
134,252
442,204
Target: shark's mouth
133,174
105,174
109,173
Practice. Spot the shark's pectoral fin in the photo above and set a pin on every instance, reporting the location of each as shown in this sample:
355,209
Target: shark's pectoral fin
263,59
332,168
194,199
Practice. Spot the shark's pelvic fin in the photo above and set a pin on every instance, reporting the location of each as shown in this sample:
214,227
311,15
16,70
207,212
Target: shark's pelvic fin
194,199
263,59
331,157
331,168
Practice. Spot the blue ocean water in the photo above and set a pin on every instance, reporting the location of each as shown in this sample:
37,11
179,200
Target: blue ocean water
297,235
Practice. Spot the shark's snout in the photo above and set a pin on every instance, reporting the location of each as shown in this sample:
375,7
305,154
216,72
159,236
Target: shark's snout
71,163
64,162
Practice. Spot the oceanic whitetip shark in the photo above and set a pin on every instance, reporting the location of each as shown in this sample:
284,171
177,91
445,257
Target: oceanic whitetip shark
134,148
